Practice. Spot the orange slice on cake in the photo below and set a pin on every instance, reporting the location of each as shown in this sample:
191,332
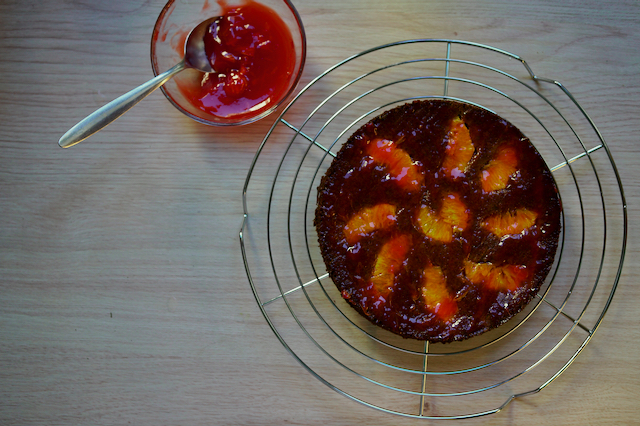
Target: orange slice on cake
452,217
390,261
459,149
399,165
511,223
499,278
436,295
369,220
496,174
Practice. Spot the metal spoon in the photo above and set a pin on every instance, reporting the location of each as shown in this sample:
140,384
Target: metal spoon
194,57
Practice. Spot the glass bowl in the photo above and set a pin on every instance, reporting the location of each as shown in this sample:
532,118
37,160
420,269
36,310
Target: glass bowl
178,18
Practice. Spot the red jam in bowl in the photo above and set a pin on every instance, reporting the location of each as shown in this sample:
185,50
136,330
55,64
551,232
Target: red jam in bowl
253,55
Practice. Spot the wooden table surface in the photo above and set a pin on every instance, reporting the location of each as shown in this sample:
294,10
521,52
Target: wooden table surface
123,295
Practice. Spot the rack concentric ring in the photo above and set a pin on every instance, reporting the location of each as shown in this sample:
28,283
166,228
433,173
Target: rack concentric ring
367,364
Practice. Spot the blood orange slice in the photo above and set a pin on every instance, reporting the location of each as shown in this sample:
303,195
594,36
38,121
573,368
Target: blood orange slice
390,260
500,278
511,223
497,172
436,295
453,216
368,220
397,162
459,149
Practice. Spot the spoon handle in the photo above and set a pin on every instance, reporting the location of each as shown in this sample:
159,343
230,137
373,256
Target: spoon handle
114,109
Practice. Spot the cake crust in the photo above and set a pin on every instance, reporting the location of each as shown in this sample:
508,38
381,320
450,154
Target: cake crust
438,220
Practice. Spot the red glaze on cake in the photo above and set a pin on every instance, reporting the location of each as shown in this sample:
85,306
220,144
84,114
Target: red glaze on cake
438,220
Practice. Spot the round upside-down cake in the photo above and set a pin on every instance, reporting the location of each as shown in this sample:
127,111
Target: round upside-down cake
438,220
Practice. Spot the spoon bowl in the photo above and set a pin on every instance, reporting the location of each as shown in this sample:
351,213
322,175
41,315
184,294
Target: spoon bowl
195,57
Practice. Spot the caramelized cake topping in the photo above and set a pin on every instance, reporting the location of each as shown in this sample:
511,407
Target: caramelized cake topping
438,220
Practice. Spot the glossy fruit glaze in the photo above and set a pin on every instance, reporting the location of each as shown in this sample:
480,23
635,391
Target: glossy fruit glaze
253,55
438,220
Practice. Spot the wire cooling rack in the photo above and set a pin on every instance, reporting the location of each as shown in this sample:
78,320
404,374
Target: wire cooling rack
479,376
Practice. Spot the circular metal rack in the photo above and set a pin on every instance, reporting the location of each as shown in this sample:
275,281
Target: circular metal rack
481,375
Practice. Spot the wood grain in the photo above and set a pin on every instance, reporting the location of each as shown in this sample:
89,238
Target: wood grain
123,296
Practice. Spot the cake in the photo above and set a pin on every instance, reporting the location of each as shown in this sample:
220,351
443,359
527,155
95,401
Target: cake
438,220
